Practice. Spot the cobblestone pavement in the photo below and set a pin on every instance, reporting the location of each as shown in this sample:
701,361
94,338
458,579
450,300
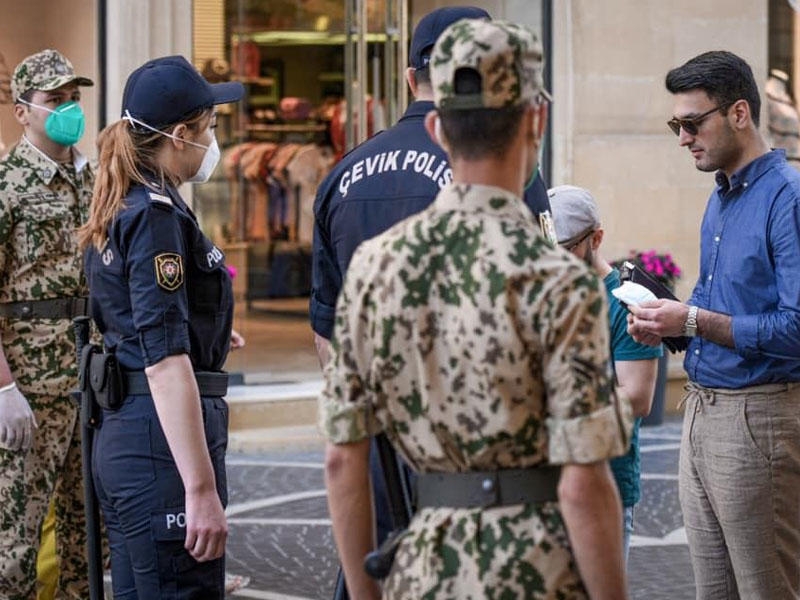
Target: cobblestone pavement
280,534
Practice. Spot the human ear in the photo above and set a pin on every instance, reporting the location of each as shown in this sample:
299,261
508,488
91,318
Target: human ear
21,113
433,125
179,134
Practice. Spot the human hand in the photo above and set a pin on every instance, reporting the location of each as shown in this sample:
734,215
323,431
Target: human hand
237,340
206,526
17,421
650,321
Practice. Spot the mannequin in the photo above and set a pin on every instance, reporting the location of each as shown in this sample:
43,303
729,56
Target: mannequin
784,121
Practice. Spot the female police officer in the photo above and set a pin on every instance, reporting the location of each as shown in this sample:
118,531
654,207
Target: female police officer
162,298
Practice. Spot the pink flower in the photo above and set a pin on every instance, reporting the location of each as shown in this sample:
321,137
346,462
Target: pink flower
231,271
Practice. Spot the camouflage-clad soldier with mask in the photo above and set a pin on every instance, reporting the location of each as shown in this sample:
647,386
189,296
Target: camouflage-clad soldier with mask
45,187
482,352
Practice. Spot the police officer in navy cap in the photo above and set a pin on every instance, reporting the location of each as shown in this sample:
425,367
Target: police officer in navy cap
391,176
162,298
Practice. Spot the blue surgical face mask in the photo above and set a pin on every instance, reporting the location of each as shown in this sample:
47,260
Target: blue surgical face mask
66,122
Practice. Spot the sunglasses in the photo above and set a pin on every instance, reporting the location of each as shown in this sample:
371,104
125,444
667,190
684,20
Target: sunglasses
570,245
690,126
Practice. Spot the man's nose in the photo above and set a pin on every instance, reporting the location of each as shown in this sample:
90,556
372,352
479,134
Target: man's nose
684,138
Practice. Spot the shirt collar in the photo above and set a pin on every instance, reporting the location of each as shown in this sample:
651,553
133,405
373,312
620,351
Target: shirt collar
744,177
475,198
44,166
418,108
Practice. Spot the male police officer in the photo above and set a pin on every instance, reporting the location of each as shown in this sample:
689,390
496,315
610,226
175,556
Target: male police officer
393,175
45,187
482,352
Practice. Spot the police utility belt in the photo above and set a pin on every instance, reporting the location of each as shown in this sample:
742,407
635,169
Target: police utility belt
53,308
485,489
110,384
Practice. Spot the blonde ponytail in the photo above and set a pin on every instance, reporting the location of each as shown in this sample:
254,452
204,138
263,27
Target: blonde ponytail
118,167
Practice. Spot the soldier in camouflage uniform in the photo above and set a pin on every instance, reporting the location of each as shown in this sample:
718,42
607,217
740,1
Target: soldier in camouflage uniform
45,187
479,349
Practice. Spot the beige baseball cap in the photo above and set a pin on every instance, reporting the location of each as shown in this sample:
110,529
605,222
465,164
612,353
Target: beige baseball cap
507,58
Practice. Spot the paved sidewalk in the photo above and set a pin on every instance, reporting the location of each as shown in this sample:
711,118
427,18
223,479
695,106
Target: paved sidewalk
280,533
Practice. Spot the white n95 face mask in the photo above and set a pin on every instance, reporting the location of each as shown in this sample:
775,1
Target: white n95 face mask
210,161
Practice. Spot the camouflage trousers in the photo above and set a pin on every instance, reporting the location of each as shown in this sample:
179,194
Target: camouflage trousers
51,468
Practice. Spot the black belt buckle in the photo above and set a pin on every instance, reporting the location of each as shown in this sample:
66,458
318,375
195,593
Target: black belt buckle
485,490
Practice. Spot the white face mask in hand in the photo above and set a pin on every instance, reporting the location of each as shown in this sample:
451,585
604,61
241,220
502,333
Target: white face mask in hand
16,419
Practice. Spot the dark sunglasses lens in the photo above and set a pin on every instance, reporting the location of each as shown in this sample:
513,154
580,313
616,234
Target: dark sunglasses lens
677,124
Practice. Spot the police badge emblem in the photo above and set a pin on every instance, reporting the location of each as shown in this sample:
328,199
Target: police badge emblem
169,271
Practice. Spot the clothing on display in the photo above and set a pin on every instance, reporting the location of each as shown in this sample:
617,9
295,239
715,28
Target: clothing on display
272,187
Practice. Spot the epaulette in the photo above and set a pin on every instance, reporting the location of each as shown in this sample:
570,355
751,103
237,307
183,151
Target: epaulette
160,198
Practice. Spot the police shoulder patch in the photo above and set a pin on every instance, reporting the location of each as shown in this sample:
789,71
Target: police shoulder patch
169,271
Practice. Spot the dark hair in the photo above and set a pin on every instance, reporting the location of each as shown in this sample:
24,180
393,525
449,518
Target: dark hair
722,75
26,96
480,133
422,76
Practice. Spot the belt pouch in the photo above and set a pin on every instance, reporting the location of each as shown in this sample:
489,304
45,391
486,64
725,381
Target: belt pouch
105,377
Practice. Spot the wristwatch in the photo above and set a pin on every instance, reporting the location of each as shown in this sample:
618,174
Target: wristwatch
690,327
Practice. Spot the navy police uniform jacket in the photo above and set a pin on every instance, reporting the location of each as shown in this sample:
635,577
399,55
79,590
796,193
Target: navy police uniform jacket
393,175
159,287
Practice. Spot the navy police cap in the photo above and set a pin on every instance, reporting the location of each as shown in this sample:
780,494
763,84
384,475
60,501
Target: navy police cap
167,90
431,26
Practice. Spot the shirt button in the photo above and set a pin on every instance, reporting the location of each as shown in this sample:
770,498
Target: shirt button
488,485
744,184
716,239
710,277
697,352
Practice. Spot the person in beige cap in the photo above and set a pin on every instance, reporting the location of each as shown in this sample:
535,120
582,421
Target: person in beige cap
579,231
482,352
45,187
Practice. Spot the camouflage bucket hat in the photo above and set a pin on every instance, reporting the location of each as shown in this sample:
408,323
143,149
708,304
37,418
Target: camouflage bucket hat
506,57
45,71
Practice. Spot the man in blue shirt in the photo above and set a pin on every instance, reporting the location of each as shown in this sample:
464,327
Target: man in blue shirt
393,175
579,231
740,453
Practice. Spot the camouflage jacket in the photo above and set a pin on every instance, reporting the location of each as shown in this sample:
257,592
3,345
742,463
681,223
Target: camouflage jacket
42,203
475,345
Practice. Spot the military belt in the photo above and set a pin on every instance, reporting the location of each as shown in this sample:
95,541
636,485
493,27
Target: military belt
54,308
484,489
208,382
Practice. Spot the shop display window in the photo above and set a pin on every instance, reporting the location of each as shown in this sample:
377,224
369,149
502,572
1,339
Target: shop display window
307,82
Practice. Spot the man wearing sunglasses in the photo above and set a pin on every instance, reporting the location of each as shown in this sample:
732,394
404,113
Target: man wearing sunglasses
740,453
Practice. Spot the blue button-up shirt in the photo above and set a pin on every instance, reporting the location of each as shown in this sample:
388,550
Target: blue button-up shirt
393,175
750,269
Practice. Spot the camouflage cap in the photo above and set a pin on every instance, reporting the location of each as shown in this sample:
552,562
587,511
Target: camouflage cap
507,58
45,71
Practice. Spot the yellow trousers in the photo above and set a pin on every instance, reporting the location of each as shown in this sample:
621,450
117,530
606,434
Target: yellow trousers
46,563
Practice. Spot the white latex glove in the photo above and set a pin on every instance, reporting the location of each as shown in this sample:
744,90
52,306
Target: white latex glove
16,420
